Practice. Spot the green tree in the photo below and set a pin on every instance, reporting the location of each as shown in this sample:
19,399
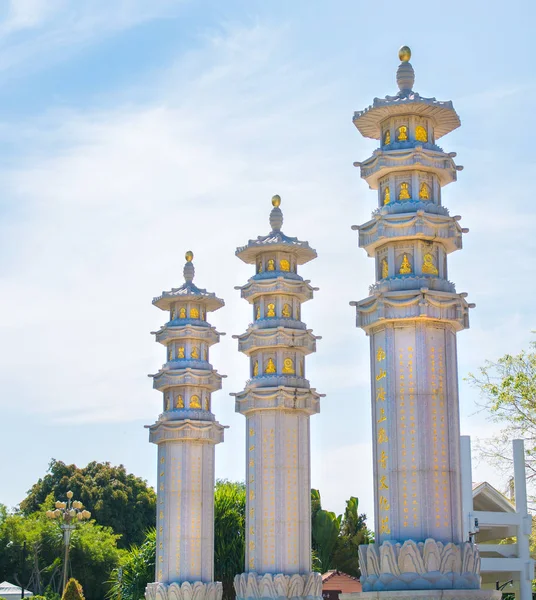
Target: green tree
115,498
353,533
508,392
73,591
229,533
94,553
129,580
325,527
336,539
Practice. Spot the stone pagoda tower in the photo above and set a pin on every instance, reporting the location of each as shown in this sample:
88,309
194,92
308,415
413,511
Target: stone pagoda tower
412,317
186,433
277,403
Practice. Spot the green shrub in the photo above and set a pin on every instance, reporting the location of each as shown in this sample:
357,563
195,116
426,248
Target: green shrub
73,590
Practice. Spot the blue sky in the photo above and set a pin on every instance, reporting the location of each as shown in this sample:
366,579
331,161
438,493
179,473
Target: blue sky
131,131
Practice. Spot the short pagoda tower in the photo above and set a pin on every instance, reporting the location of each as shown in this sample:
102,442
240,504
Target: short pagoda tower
277,403
412,316
186,433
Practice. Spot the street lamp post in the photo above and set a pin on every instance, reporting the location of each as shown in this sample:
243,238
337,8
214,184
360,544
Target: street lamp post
68,513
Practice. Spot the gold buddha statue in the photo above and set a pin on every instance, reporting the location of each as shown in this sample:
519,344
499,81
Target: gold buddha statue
258,312
194,402
173,313
428,266
194,313
180,352
206,402
402,133
271,265
182,312
421,135
270,366
288,366
180,402
385,268
404,191
424,191
259,266
386,196
270,311
405,267
387,137
284,265
287,311
194,353
255,368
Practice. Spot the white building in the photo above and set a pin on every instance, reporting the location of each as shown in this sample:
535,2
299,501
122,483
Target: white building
9,591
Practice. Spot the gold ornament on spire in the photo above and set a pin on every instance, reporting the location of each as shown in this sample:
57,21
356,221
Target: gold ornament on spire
276,200
189,256
404,54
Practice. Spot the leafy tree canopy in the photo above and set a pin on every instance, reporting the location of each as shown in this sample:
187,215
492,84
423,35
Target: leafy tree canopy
508,391
115,498
94,553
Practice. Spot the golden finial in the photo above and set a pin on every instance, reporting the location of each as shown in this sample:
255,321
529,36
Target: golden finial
189,256
276,200
404,54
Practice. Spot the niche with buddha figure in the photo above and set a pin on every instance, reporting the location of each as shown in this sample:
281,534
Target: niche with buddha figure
386,134
382,265
384,191
401,130
270,364
271,264
425,186
270,307
404,261
403,189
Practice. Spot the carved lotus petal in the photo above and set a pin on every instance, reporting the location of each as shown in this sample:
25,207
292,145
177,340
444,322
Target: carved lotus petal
313,584
174,592
451,560
373,560
388,558
161,592
295,586
281,585
266,587
410,559
252,587
432,555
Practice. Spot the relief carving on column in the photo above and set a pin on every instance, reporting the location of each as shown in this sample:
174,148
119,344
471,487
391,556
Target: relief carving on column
419,566
250,585
184,591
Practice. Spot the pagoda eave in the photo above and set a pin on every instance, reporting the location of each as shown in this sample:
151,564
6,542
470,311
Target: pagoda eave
444,117
167,299
280,285
386,162
186,429
250,253
401,226
255,339
168,333
165,379
278,398
411,305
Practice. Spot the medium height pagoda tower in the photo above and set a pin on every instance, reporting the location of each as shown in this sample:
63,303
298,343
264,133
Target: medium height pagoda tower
277,403
186,433
412,316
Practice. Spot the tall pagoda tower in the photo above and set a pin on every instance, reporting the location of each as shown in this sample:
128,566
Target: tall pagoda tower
277,403
186,434
412,317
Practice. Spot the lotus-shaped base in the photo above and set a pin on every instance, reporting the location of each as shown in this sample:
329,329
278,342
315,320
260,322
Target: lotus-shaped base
184,591
428,565
250,586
